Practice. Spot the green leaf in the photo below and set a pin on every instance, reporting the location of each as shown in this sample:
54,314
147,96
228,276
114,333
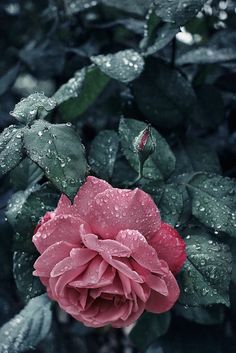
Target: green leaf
157,34
25,174
148,328
212,315
213,202
27,285
80,92
28,328
178,11
103,153
25,209
161,162
170,199
209,104
163,95
205,277
70,89
124,66
10,148
194,155
57,149
122,173
27,109
207,55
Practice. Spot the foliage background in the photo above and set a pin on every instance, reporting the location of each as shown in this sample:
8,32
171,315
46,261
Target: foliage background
109,66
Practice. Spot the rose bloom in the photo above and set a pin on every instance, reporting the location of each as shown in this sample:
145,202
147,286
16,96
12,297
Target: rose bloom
108,257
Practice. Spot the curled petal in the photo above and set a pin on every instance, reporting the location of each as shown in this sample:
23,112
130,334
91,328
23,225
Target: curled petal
60,228
111,247
77,258
142,252
159,303
50,257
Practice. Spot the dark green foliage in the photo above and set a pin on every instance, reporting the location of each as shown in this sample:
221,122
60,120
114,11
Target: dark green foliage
28,328
58,151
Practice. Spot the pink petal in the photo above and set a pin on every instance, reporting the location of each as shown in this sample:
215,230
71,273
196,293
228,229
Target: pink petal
108,246
169,247
65,206
88,191
59,284
50,257
144,254
115,288
116,209
60,228
132,317
97,275
156,283
47,217
108,313
141,290
126,284
78,257
158,303
123,266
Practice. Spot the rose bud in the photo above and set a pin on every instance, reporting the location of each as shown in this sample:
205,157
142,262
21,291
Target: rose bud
144,145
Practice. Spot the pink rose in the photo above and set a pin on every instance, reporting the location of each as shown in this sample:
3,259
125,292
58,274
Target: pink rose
108,257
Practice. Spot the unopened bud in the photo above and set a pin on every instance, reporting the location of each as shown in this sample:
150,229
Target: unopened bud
144,145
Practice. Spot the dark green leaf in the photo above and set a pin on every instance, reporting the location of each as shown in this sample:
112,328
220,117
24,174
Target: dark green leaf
157,34
80,92
103,153
7,80
170,199
27,285
163,95
161,162
57,149
220,48
27,109
204,55
213,202
28,328
212,315
194,155
122,173
209,110
179,11
25,174
205,277
70,89
10,148
124,66
148,328
24,212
